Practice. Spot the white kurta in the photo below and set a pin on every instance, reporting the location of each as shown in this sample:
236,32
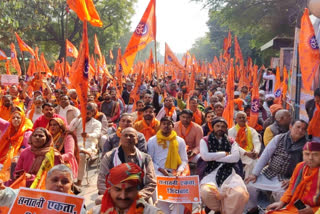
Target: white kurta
162,113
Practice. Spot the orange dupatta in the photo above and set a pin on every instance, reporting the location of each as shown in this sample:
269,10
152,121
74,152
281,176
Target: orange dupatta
170,112
314,125
210,128
148,131
11,142
187,131
197,116
139,116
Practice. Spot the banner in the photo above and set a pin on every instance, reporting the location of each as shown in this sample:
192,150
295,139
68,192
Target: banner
9,79
183,189
29,201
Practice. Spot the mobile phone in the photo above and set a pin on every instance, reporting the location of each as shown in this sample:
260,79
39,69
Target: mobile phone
299,204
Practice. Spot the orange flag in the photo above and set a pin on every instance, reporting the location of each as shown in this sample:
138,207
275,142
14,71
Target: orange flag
309,54
44,64
14,59
110,54
285,83
32,67
85,10
254,111
171,59
71,50
227,46
97,47
144,33
229,105
151,65
8,67
3,56
237,51
79,74
23,46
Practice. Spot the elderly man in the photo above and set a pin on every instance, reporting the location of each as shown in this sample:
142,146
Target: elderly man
248,141
313,110
65,110
304,185
168,109
48,113
74,97
218,109
281,125
125,153
113,140
122,195
191,132
59,179
87,141
149,125
222,190
7,107
168,152
277,162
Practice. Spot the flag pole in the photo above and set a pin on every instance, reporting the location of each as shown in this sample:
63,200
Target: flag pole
66,37
156,60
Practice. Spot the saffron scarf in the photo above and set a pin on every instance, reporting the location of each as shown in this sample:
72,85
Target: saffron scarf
169,113
210,128
148,131
123,173
314,125
187,131
139,116
11,143
173,158
197,117
118,132
244,137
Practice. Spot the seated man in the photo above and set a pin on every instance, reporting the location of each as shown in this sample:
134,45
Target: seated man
138,114
113,140
207,127
169,156
48,113
59,178
303,186
168,109
122,195
277,162
248,140
127,152
221,186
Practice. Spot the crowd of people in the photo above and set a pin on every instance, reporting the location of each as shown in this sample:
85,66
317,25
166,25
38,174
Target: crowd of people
168,131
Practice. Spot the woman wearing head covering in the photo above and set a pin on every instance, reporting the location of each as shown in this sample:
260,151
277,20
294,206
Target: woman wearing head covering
66,143
31,158
13,141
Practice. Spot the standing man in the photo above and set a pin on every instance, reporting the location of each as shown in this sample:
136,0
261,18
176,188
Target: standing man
313,110
221,189
191,133
126,97
149,125
168,152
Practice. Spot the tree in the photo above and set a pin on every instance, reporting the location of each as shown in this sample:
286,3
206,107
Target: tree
44,23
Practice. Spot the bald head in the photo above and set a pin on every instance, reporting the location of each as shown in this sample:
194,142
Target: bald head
283,117
129,138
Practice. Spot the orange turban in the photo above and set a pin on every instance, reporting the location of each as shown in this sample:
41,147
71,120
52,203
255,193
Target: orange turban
274,108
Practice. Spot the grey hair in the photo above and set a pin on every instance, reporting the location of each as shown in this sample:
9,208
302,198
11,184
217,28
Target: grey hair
241,112
281,113
62,168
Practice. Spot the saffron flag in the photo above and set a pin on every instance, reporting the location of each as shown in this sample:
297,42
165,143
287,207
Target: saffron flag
171,59
97,47
237,51
110,54
3,56
151,66
85,10
144,33
8,67
254,111
14,60
31,68
80,73
71,50
309,54
23,46
229,105
227,47
46,165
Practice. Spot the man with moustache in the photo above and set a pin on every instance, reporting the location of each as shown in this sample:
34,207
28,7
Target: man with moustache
168,110
48,113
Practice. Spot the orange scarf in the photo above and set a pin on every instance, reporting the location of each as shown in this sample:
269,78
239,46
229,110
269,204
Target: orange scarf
210,128
197,117
118,132
314,125
32,110
11,143
139,116
187,131
148,131
170,113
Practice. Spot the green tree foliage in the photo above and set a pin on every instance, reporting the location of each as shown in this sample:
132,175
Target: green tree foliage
44,23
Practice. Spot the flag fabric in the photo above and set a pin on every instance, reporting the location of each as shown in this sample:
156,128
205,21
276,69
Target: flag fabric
285,83
229,104
46,165
31,68
110,54
3,56
237,51
79,74
85,10
44,64
227,47
254,111
151,65
14,60
278,87
171,59
144,33
309,54
71,50
8,67
23,46
97,47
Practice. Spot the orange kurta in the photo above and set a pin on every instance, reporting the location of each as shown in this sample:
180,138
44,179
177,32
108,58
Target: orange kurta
147,130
